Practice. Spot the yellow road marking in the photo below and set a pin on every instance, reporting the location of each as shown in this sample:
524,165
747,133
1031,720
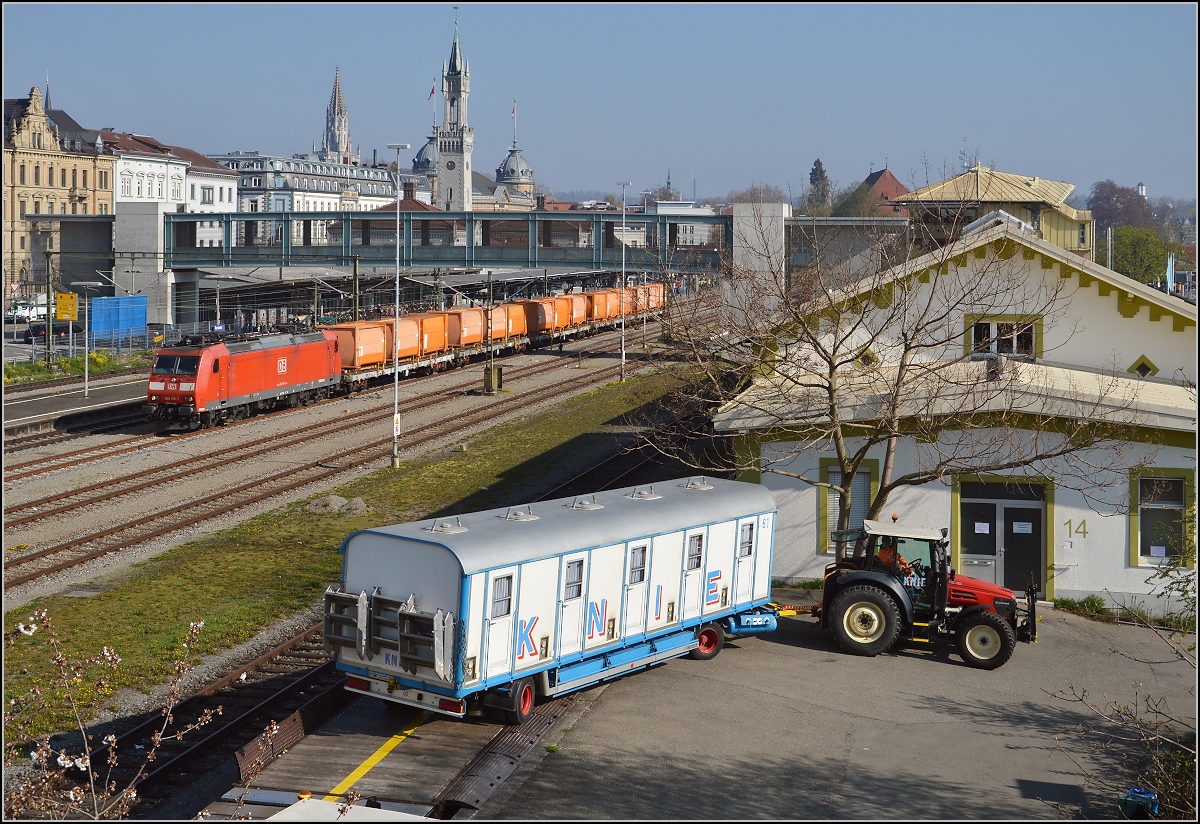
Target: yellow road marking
377,756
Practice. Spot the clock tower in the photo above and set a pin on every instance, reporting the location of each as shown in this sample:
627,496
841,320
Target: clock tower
455,139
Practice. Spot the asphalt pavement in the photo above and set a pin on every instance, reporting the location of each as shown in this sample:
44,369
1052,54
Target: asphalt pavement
785,726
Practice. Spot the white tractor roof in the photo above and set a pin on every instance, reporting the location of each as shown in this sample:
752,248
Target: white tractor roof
901,530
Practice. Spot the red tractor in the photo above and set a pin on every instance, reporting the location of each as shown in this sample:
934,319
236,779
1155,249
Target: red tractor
897,583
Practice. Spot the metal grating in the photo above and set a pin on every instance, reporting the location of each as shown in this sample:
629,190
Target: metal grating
500,759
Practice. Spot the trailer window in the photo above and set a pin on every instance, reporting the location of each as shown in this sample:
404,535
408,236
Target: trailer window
637,565
502,596
746,544
695,551
167,364
574,582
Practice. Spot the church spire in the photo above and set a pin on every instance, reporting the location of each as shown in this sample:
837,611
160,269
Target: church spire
337,106
456,61
335,144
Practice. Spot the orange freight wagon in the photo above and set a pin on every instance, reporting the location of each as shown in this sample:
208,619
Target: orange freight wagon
361,344
407,346
464,327
433,332
541,315
579,309
515,319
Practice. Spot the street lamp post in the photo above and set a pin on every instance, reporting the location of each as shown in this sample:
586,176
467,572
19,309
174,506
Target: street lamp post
396,328
85,285
623,239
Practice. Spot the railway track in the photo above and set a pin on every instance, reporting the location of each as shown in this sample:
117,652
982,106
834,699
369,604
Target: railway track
612,471
269,705
26,567
71,500
135,443
296,677
27,442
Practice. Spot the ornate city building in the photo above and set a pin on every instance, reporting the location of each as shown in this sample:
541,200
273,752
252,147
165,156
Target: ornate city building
455,139
52,166
445,159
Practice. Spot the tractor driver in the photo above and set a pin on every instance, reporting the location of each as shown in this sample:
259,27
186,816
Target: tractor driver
890,557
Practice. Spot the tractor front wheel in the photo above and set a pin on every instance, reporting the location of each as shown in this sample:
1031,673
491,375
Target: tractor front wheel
865,620
985,640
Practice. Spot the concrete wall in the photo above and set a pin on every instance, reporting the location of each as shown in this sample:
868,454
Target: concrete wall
138,237
759,258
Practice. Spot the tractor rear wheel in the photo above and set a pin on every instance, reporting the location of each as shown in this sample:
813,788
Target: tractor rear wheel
710,639
985,640
865,620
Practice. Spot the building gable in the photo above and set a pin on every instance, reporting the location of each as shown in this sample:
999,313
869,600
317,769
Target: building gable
1104,315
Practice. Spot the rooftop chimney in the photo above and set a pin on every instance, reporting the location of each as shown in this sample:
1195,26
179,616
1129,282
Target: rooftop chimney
410,190
541,203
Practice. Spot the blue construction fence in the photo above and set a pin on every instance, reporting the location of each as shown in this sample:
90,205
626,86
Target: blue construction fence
119,323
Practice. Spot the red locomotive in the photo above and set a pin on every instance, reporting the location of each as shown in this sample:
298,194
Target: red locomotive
204,380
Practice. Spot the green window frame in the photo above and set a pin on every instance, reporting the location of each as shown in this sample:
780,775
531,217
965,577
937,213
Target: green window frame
1004,328
1137,557
870,467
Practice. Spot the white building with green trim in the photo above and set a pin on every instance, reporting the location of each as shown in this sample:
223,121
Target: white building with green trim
1113,343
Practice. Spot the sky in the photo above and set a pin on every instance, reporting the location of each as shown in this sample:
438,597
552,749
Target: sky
718,95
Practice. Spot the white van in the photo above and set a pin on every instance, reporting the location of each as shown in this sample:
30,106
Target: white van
22,312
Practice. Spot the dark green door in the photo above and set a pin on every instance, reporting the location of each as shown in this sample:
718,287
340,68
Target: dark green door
977,541
1022,547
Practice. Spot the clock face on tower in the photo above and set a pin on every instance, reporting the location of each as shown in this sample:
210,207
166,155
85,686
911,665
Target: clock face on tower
450,164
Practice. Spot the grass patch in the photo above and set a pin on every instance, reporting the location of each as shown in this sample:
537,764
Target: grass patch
99,362
1096,608
1092,606
247,578
798,583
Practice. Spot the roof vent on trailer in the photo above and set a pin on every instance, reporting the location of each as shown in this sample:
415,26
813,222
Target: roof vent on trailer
446,528
696,483
518,515
647,494
579,503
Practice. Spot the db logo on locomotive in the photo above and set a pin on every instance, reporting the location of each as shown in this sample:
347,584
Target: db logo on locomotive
281,365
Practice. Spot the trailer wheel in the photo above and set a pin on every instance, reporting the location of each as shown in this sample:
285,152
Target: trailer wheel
985,640
865,621
711,639
523,692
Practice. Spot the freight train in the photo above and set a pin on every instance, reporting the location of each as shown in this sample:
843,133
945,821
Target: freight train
206,380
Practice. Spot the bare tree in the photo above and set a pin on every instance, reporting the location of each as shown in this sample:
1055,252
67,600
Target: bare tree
758,193
74,783
868,344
